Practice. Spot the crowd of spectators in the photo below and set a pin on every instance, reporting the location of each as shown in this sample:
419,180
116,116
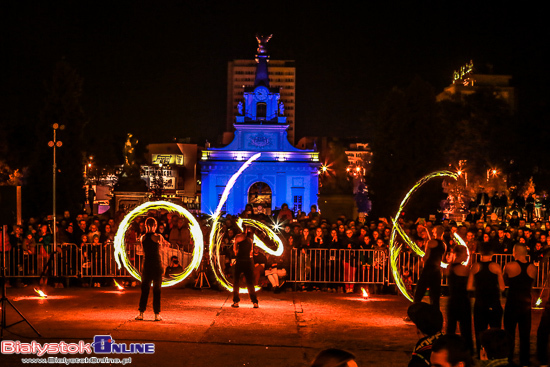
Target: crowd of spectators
489,220
85,244
487,225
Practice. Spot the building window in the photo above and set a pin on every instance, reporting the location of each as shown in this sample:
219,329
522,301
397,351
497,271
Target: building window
261,110
297,203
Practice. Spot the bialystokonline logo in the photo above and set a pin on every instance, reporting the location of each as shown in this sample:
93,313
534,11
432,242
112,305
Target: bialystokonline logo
102,344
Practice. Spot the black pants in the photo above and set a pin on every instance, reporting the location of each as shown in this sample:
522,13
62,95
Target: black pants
459,311
543,332
519,314
482,210
429,279
150,275
48,269
486,314
244,267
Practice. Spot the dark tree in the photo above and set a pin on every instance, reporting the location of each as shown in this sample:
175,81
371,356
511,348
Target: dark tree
335,180
408,142
484,132
62,106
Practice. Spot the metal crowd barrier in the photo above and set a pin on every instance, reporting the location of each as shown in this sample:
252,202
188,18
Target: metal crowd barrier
371,266
36,261
338,266
305,266
87,261
69,260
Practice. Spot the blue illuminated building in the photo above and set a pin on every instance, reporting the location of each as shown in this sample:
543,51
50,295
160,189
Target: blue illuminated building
283,173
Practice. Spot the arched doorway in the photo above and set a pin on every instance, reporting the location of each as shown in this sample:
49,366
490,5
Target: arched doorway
259,195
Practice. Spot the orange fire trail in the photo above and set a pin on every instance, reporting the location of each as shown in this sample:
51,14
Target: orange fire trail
40,293
120,288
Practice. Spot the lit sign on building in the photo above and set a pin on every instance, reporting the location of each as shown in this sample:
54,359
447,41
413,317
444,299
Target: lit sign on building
464,70
176,159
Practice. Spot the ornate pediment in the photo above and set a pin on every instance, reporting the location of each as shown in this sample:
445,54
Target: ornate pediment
260,140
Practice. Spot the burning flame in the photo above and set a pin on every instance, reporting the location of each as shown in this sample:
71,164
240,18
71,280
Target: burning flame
365,293
120,288
40,293
539,301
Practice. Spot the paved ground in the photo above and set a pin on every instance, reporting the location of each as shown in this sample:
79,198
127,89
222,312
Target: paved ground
201,329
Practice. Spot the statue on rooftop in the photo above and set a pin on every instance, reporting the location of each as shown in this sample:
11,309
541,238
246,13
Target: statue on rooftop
281,108
262,41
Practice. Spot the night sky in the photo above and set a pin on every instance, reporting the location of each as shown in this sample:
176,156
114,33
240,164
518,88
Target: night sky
158,69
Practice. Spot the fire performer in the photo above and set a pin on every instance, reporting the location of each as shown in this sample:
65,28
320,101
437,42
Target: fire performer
459,309
486,280
243,248
431,274
520,275
152,268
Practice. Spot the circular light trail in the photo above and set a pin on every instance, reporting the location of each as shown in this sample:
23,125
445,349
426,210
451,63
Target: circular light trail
216,234
396,228
121,257
215,245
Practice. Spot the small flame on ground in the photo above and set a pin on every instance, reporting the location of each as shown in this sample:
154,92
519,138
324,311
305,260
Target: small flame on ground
120,288
539,301
40,293
365,293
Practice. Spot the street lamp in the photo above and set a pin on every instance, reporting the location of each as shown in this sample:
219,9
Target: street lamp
493,172
87,169
460,172
55,144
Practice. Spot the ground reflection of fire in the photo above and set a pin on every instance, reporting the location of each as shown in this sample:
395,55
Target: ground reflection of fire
119,287
40,293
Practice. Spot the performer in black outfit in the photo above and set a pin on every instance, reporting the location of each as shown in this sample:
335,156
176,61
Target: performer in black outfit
243,247
520,275
458,306
431,273
152,268
487,282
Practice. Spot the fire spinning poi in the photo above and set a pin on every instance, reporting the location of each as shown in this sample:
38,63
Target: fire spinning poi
216,234
121,257
396,229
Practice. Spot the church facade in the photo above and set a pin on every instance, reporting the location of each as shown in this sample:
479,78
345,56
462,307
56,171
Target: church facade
282,174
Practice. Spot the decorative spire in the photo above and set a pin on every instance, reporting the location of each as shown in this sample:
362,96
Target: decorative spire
262,58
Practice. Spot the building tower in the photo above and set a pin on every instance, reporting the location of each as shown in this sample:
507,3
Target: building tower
282,74
283,173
